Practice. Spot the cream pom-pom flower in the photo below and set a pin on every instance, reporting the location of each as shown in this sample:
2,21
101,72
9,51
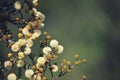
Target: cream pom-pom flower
20,55
20,63
34,10
41,61
27,51
40,15
12,76
21,42
41,25
7,64
53,43
47,50
54,68
36,34
29,42
37,31
29,73
17,5
15,47
30,23
25,31
59,49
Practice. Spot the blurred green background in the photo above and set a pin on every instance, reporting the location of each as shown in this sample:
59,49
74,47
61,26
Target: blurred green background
89,28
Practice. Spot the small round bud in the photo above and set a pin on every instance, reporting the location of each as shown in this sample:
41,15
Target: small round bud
48,37
84,61
40,74
36,24
44,78
20,29
12,59
17,19
84,77
10,44
10,55
41,69
29,35
4,37
33,67
54,56
64,68
20,35
64,60
68,70
68,63
76,56
28,27
36,71
45,33
9,35
77,62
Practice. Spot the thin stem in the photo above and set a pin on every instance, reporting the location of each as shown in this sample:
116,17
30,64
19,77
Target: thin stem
19,72
51,70
31,57
21,14
45,69
62,74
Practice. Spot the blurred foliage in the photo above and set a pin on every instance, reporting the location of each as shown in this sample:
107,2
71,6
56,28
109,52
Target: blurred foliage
87,27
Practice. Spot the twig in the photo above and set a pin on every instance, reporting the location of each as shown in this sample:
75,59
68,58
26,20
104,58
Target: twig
51,70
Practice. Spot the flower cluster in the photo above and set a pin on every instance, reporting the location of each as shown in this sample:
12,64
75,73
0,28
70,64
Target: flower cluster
30,30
